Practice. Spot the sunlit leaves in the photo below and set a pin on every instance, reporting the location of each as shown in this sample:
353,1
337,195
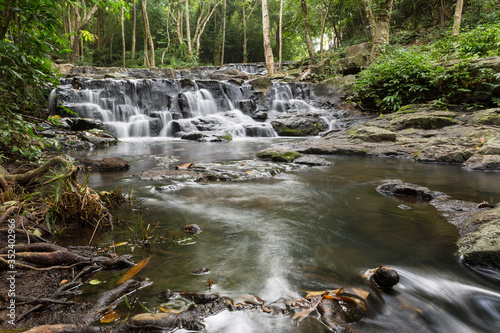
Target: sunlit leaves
133,270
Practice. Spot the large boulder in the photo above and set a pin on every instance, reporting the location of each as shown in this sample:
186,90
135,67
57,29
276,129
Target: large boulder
487,117
423,120
299,125
479,244
373,134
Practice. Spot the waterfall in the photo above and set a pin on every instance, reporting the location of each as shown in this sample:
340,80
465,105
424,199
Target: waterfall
174,107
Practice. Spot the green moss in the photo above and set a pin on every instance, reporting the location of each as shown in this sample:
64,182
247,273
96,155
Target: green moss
279,156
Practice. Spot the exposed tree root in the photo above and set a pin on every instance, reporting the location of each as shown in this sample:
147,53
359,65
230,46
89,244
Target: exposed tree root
25,178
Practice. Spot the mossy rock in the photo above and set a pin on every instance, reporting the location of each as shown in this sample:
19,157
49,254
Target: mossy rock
423,120
412,108
487,117
480,244
278,155
261,83
373,134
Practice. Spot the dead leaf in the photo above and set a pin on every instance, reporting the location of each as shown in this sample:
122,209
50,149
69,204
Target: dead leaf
169,310
302,314
323,292
63,282
361,293
133,270
95,282
185,166
210,284
109,317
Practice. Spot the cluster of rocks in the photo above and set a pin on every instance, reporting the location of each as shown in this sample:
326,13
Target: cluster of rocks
77,133
421,132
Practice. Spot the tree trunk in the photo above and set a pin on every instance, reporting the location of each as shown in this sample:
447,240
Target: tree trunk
378,13
134,26
81,26
123,36
323,26
266,31
280,67
188,29
223,34
147,33
245,22
307,29
457,18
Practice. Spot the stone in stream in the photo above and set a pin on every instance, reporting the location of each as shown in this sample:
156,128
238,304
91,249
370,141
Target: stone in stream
192,229
385,277
201,271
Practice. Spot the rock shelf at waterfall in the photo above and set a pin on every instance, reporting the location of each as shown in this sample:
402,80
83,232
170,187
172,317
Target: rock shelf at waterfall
176,107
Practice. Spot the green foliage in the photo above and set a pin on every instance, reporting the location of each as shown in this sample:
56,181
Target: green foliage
397,78
413,75
18,139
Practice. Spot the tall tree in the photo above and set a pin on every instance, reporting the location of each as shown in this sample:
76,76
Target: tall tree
147,34
223,33
378,13
82,24
281,38
188,28
323,25
307,29
123,36
457,18
134,26
266,31
245,18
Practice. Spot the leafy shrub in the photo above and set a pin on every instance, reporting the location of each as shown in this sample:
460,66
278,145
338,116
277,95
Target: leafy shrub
397,78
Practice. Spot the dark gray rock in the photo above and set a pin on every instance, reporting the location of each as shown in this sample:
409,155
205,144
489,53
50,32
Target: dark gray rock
299,125
398,188
385,277
312,161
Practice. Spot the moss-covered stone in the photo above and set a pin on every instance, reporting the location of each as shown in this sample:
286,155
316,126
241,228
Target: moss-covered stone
278,155
261,83
480,243
423,120
487,117
373,134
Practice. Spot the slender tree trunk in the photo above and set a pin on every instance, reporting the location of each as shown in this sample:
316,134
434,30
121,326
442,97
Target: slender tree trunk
147,33
188,28
81,26
323,26
123,36
168,39
307,29
378,13
223,34
280,68
457,18
266,31
134,26
245,19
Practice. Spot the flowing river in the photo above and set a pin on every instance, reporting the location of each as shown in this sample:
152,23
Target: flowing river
301,228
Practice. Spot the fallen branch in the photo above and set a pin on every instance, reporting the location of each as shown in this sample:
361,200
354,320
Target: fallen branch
29,176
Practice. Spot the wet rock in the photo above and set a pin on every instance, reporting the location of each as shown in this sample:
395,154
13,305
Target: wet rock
192,229
312,161
404,207
278,155
113,164
479,244
201,271
373,134
84,124
333,315
261,83
168,320
250,299
193,136
398,188
299,125
385,277
167,188
483,163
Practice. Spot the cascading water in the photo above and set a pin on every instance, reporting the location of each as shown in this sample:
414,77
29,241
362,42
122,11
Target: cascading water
176,107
